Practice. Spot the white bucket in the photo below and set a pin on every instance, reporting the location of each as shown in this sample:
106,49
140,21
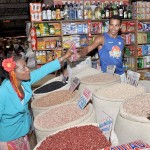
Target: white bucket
113,137
41,133
38,95
92,86
37,109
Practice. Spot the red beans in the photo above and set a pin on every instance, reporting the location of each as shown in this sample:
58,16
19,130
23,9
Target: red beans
86,137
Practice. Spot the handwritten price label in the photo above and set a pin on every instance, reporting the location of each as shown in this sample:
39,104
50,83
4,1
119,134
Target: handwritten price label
111,69
85,98
74,84
133,77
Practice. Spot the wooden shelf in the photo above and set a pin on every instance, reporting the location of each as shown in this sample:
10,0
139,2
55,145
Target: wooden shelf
143,68
75,34
50,49
146,20
45,36
143,31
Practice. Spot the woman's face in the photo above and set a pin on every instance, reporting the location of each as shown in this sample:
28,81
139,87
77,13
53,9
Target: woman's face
22,71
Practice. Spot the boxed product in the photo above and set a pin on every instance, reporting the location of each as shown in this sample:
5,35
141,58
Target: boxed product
136,145
67,41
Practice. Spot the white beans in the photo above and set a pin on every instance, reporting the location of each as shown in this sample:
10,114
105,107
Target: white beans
102,77
120,91
139,106
60,116
55,98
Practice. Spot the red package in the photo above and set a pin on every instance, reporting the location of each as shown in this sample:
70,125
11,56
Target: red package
136,145
33,38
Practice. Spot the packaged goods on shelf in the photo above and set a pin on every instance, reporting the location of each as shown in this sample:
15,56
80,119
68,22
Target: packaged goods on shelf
129,38
143,26
35,12
84,40
74,28
129,50
57,28
128,26
141,10
68,40
142,38
41,56
57,53
96,27
50,55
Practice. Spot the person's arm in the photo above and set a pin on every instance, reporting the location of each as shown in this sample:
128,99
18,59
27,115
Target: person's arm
49,67
97,41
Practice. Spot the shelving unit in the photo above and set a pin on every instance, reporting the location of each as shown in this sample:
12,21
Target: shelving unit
88,35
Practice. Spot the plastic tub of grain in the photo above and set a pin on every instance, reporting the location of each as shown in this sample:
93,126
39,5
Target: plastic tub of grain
61,117
52,99
146,84
85,137
96,81
52,85
132,122
108,99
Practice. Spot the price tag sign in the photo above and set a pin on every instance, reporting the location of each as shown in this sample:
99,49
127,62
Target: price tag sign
105,124
111,69
133,77
84,98
74,84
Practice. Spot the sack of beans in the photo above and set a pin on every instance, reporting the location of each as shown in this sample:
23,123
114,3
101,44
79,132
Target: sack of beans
96,81
78,137
52,99
50,86
60,117
87,71
108,99
146,84
133,122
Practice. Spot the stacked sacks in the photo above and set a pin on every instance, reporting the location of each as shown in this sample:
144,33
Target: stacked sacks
85,137
108,99
52,85
133,122
60,117
52,99
97,81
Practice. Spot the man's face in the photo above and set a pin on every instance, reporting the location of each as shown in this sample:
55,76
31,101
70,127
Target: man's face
114,26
